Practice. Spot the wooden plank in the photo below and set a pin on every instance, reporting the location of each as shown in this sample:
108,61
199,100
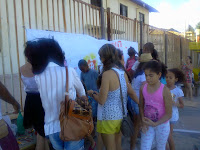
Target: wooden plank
19,90
32,14
26,14
44,15
50,15
61,22
39,14
56,16
64,15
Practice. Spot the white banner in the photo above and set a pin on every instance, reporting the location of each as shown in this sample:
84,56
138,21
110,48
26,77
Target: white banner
79,46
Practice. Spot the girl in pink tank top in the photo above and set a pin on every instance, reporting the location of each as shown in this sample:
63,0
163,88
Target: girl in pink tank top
155,108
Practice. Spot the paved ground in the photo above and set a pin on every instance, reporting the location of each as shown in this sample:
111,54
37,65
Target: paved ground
187,130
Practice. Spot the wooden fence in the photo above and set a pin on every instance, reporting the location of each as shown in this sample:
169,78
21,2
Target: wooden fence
71,16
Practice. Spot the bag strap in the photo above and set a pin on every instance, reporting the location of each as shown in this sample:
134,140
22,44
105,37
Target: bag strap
120,92
67,91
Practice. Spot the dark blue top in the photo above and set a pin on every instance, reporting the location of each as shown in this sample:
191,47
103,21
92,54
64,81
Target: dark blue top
90,79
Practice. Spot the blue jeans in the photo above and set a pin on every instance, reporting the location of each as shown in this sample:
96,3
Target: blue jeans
94,105
133,107
58,144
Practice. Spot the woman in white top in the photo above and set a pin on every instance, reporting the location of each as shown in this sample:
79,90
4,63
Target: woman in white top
48,66
109,113
33,117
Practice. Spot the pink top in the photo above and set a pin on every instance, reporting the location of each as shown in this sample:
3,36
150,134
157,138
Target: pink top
130,63
154,106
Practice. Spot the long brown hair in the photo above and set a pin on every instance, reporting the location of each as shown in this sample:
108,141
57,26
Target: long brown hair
111,59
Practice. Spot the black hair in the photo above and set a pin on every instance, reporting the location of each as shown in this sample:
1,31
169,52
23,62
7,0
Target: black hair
154,55
178,74
120,54
42,51
156,66
190,59
82,62
140,69
131,51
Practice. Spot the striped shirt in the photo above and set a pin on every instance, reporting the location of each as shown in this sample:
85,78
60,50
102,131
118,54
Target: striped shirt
52,86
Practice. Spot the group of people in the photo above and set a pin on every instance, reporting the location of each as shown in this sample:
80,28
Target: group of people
149,92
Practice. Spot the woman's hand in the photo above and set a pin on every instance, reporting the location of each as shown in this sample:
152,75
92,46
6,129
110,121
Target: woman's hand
90,92
16,107
148,122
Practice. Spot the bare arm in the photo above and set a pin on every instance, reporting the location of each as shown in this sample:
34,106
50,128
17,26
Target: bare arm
7,97
130,91
141,104
180,103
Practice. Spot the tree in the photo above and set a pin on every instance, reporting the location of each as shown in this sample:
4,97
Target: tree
190,28
198,26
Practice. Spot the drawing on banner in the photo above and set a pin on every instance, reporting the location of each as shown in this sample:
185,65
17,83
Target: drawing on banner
92,61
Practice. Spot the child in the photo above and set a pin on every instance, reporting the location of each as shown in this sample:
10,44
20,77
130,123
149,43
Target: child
173,76
138,80
155,108
131,60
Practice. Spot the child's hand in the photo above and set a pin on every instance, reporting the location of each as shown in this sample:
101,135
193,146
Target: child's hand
174,103
144,128
149,122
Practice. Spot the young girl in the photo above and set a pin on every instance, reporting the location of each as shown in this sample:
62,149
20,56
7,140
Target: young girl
155,108
138,80
173,76
187,69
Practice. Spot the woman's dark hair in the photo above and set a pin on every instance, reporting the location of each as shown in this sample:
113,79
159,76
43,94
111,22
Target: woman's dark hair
190,59
178,74
42,51
111,59
156,66
154,54
149,47
131,51
120,54
140,69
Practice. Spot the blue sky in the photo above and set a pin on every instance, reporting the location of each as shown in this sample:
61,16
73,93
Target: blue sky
177,14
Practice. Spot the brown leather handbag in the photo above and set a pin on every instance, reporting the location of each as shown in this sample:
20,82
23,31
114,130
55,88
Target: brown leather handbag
75,117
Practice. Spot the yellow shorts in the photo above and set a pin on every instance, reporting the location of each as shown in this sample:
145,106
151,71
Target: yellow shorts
109,126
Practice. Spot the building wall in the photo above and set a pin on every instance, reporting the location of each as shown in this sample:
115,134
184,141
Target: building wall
133,9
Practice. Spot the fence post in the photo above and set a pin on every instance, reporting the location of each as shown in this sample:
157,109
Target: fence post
134,30
166,47
141,34
108,24
102,21
181,50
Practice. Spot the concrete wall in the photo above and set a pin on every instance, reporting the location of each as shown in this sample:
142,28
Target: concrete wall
133,9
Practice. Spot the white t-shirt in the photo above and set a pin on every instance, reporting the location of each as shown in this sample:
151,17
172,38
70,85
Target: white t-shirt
178,93
137,83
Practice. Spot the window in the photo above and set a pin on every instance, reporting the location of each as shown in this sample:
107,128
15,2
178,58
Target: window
123,10
96,3
141,17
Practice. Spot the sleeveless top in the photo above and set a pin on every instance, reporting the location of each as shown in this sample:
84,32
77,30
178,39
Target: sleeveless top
112,109
29,84
154,106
